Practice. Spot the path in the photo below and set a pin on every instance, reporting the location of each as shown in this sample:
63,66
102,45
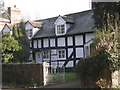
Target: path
73,84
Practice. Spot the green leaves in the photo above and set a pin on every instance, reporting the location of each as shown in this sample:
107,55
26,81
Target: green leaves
9,46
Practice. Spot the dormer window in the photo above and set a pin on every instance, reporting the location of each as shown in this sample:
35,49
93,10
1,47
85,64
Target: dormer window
60,29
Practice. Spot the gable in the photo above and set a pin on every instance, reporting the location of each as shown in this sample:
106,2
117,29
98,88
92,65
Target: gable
28,26
6,29
60,21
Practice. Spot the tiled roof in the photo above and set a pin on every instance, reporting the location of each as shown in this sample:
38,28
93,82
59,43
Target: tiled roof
82,22
36,24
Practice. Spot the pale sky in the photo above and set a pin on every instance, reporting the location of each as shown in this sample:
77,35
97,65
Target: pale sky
41,9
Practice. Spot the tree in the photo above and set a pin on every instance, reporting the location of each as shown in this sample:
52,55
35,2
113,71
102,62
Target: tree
103,10
20,35
3,12
1,7
9,47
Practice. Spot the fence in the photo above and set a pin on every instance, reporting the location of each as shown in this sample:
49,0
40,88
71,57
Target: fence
23,74
32,74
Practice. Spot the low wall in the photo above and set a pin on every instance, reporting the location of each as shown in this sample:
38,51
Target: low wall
22,74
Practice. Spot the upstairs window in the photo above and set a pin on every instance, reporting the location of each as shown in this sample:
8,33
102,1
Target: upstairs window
60,29
29,32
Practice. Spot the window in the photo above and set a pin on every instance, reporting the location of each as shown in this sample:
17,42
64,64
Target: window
60,29
61,54
87,51
45,54
30,33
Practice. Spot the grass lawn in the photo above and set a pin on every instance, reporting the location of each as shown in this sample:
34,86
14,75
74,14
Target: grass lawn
62,77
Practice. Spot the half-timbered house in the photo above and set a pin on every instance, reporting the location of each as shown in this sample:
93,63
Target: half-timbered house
63,40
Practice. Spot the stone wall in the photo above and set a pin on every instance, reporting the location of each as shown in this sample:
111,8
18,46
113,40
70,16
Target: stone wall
116,79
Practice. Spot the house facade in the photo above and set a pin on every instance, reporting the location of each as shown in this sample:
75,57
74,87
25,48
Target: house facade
63,40
14,17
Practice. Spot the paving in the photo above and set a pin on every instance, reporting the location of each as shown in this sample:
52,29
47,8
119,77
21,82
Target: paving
72,84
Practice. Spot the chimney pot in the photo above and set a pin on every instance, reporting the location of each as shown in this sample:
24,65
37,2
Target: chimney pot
14,6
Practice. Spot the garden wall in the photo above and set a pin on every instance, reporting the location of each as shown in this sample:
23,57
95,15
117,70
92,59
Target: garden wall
22,74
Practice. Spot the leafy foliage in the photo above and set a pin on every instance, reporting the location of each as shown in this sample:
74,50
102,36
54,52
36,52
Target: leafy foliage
20,35
90,69
9,47
103,10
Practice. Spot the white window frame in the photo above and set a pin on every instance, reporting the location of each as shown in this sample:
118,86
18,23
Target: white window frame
61,54
46,54
60,29
29,32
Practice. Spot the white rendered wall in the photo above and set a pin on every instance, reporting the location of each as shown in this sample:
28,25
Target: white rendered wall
35,44
70,41
69,64
28,26
45,43
89,36
52,42
79,52
78,40
6,29
61,41
53,54
35,30
70,50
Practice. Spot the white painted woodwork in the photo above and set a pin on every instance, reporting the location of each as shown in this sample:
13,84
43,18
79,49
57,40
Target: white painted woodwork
79,52
61,41
78,40
60,21
38,56
28,26
6,29
35,44
52,42
70,41
70,50
69,64
89,36
39,43
45,42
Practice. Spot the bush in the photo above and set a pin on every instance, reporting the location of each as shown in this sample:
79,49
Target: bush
91,69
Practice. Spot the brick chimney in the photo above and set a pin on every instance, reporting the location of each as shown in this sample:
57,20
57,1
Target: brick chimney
14,13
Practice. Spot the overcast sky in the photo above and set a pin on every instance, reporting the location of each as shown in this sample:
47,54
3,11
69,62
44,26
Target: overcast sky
40,9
